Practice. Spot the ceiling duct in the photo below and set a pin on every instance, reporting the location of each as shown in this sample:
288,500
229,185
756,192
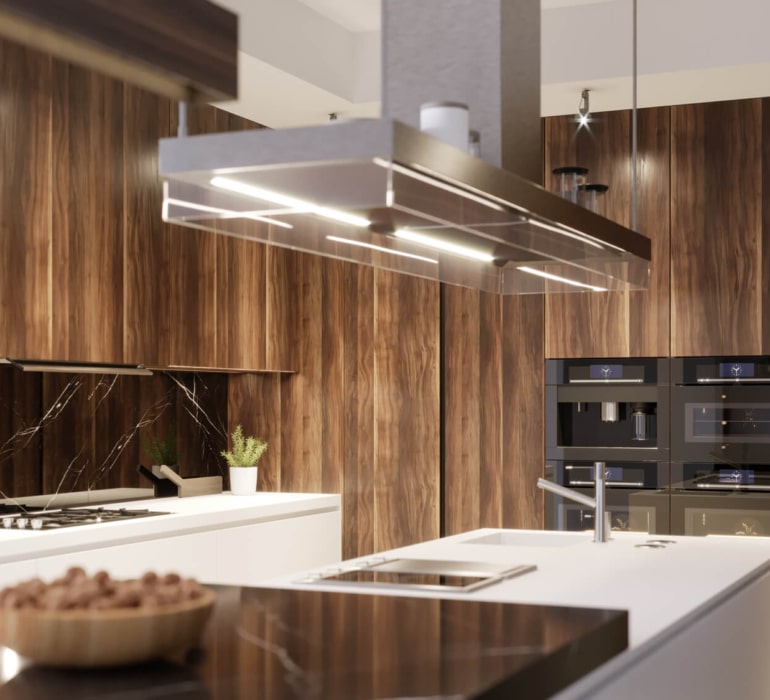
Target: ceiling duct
383,193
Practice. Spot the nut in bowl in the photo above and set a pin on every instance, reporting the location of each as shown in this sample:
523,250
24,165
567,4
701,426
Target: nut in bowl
92,621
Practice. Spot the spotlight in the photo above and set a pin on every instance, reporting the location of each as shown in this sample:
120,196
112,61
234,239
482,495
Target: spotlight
584,110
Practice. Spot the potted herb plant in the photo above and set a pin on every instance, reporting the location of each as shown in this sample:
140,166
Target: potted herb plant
243,460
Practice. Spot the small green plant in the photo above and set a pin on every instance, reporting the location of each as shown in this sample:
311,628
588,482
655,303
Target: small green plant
162,450
246,451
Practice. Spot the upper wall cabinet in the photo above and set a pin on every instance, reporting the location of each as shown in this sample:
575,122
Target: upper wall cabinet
90,273
720,216
616,324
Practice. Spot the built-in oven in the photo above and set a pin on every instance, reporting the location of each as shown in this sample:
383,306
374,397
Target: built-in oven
711,498
623,481
720,446
614,411
721,410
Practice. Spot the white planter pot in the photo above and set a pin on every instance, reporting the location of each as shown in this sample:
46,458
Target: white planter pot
243,480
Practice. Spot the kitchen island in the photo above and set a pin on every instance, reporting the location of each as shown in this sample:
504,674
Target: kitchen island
698,626
636,617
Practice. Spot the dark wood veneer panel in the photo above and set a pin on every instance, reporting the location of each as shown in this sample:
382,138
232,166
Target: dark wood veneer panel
716,224
616,324
146,321
25,185
765,243
523,392
193,44
87,265
407,410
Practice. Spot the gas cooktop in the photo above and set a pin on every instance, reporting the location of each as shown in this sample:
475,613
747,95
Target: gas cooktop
23,518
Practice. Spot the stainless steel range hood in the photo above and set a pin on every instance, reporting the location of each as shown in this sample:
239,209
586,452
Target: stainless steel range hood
383,193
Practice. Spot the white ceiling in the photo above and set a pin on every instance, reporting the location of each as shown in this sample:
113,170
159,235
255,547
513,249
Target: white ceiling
303,59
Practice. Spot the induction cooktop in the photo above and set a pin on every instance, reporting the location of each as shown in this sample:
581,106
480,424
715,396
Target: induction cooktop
420,574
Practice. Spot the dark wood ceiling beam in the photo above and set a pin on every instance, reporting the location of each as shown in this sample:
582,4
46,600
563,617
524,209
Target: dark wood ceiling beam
183,50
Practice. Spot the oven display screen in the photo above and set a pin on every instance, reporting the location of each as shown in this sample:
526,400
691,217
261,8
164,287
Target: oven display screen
736,370
736,476
605,371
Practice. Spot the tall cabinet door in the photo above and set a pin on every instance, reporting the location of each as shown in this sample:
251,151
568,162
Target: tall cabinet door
25,184
718,306
616,324
87,216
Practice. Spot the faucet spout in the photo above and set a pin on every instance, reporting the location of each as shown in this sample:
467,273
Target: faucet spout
598,502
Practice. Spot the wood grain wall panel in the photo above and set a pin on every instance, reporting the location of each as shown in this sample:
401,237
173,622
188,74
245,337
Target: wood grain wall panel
241,293
190,285
87,220
617,324
358,411
145,259
407,410
523,393
472,380
649,312
302,401
282,302
716,228
25,186
254,401
765,315
462,407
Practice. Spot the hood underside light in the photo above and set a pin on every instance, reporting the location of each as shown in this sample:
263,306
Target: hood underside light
381,193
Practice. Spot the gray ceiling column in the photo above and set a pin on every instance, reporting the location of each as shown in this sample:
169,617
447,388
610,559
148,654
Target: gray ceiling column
484,53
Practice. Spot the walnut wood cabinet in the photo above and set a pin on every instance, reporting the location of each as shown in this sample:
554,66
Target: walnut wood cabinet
703,174
90,272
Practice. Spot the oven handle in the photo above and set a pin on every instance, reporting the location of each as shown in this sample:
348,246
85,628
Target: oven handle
732,382
735,487
606,381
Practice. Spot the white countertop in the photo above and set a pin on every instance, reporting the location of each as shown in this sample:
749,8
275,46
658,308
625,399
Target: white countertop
659,587
183,516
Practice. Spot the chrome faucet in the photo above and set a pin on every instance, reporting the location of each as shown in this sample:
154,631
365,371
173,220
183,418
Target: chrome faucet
598,502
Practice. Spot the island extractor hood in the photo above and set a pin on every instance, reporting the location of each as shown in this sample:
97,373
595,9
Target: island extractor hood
383,193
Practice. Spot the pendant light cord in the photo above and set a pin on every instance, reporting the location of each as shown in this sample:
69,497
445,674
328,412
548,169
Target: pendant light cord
634,124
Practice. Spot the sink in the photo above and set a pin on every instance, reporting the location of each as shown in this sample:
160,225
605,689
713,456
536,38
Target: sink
515,538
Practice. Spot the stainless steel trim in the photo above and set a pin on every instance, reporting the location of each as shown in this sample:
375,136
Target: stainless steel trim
733,487
491,573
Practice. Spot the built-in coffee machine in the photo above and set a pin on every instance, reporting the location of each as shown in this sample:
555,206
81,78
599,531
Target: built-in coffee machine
614,411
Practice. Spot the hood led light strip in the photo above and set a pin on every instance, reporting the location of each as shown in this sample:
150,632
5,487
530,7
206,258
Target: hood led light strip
229,213
300,206
564,280
371,246
440,244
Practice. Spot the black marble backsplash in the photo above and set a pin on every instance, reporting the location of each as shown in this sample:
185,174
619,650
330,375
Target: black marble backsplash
77,432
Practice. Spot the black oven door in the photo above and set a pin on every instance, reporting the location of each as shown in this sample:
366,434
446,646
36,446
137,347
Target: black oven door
711,498
720,410
631,490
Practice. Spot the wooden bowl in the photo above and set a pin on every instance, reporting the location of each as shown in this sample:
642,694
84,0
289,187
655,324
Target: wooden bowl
112,637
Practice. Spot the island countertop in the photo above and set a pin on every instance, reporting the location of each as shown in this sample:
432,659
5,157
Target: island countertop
286,644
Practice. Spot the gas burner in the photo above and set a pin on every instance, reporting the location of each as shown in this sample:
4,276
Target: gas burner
70,517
